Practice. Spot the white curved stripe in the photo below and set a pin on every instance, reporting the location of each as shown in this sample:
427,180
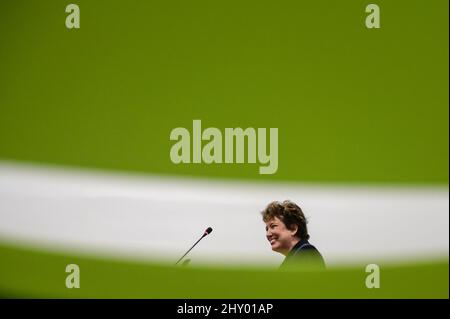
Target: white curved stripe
151,216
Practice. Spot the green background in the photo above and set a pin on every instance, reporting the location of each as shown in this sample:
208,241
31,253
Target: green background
352,104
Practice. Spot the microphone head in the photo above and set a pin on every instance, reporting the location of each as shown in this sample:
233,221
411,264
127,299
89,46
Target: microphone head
208,231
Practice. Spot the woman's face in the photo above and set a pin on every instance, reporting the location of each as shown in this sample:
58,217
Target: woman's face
281,238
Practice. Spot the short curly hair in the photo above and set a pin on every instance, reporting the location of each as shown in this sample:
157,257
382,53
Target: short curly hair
290,214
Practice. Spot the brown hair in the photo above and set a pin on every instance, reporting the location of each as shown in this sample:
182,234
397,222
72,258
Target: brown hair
290,214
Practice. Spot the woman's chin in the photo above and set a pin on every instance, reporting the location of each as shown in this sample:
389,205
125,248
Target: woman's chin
275,248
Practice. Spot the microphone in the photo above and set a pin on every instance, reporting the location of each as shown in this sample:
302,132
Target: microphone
206,232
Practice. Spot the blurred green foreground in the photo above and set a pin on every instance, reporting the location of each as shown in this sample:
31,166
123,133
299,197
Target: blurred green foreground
28,273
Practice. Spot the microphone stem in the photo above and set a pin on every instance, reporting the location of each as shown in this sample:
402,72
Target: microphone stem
190,249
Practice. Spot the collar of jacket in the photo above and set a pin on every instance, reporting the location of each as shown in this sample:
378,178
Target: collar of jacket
298,246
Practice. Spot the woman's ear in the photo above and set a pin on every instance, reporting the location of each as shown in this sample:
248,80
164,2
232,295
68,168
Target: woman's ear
294,230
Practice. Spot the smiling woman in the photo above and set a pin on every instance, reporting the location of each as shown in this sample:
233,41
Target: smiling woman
287,233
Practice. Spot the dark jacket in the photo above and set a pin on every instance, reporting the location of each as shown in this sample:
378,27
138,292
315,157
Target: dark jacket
303,255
